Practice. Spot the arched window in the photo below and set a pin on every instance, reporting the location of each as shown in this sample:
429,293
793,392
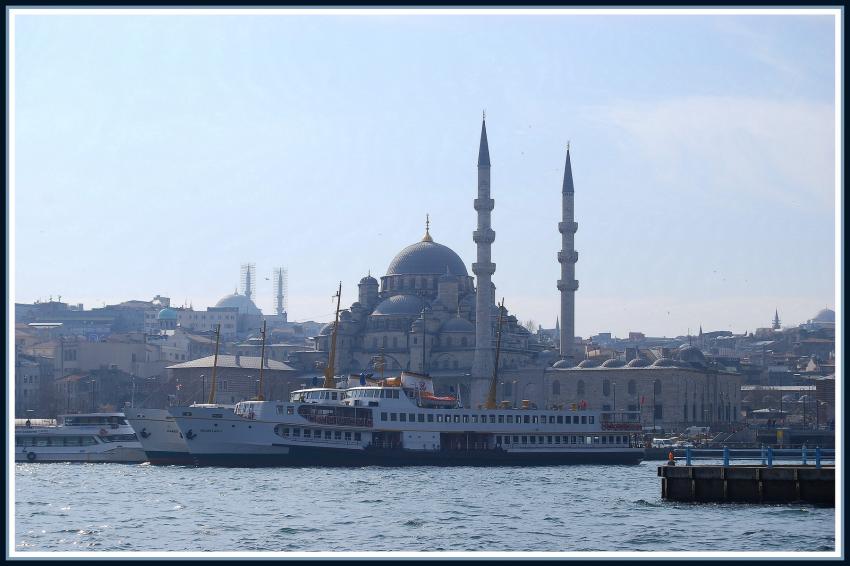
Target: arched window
606,387
656,387
580,387
632,387
556,387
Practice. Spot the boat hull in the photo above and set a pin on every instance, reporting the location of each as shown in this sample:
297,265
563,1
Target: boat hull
328,457
120,455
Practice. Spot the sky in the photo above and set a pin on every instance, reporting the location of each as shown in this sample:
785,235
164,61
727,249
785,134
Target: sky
156,154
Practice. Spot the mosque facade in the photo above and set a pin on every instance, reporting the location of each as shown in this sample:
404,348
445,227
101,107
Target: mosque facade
428,314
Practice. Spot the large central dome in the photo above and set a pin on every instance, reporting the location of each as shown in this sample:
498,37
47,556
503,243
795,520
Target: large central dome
427,258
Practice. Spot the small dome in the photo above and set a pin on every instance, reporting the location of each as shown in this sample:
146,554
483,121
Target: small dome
399,305
327,329
664,363
691,354
824,315
637,363
586,364
457,324
613,363
426,258
167,314
242,302
369,280
345,315
562,364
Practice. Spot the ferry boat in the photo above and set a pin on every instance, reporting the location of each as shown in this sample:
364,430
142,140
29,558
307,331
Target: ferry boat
398,421
87,437
161,440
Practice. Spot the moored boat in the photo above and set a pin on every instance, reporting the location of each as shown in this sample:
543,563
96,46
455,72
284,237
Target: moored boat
87,437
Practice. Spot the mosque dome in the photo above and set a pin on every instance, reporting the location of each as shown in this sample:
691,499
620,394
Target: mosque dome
637,363
167,314
427,258
562,364
457,324
368,280
664,363
824,315
586,364
399,305
242,302
613,363
691,354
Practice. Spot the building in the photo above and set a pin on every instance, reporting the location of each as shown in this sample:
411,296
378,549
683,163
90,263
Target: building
237,379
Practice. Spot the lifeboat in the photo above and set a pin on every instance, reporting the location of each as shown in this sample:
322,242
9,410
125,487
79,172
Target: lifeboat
436,400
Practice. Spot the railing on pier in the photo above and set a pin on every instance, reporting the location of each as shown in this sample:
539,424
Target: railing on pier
765,454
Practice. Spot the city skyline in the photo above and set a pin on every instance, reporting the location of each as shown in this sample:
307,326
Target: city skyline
198,144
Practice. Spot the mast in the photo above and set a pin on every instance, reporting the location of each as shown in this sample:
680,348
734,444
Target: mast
215,362
329,371
491,395
262,362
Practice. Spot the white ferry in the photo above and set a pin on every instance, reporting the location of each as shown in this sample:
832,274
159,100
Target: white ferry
88,437
161,440
400,421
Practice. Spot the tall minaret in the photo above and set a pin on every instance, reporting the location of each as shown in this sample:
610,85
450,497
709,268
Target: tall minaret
567,257
483,268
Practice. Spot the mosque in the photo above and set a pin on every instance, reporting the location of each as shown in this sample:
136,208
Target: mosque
428,313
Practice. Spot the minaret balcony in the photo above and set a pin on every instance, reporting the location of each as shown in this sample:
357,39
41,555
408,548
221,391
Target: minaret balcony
482,268
567,256
485,236
567,227
567,285
484,204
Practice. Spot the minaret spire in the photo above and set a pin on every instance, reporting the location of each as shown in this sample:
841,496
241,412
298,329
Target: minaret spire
483,268
427,237
567,257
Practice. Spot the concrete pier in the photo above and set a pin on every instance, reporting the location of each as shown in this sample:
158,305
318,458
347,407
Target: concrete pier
749,484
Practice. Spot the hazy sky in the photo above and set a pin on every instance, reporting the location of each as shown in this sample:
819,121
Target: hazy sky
155,154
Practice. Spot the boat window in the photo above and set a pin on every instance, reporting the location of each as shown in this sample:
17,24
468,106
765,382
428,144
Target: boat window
549,439
584,419
466,418
382,394
526,419
574,440
501,419
285,431
357,436
383,416
333,396
590,419
296,432
596,440
557,440
439,418
498,440
393,417
507,440
510,419
395,393
327,435
493,419
317,433
420,417
402,417
605,439
348,436
525,440
411,417
534,419
430,417
515,439
280,409
475,418
551,419
457,418
290,410
560,419
337,435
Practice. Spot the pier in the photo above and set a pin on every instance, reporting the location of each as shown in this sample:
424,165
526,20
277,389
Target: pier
808,481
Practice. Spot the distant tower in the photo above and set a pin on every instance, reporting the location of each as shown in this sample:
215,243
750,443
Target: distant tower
776,323
567,257
281,292
483,268
249,275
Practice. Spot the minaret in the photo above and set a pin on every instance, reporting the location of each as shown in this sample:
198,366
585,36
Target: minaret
567,257
483,268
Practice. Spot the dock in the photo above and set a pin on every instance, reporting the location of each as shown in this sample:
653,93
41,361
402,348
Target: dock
750,483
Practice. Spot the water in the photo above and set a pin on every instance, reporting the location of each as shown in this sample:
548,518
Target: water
566,508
